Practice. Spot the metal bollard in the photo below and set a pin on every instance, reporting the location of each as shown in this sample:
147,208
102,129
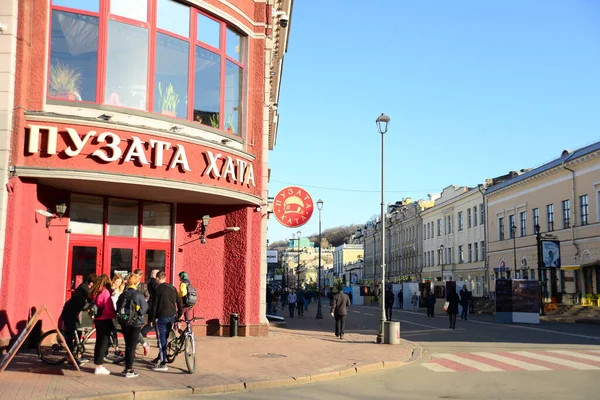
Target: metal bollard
233,324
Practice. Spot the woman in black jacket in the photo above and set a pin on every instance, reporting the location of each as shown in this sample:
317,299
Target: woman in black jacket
452,300
131,325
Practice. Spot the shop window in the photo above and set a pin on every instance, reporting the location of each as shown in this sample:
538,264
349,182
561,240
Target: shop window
156,221
118,76
126,65
171,76
122,218
86,214
86,5
73,69
132,9
209,31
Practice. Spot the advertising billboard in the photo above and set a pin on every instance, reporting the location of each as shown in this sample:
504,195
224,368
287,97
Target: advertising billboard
551,253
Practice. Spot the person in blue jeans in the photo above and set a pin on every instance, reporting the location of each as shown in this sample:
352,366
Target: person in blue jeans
165,307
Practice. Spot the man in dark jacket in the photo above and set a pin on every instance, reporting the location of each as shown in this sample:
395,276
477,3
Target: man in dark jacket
71,310
465,299
165,306
339,310
389,303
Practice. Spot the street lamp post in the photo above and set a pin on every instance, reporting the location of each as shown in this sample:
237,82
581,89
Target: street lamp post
442,261
513,230
382,126
319,312
540,262
298,264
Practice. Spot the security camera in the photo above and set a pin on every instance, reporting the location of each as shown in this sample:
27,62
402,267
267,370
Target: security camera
283,18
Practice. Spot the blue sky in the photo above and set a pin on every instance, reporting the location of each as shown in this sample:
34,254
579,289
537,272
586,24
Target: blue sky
474,89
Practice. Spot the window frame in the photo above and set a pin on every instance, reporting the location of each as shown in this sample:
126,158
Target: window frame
500,228
584,209
151,25
536,217
523,223
550,217
566,213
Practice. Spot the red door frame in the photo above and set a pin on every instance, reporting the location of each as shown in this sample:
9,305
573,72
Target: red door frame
118,242
83,241
155,245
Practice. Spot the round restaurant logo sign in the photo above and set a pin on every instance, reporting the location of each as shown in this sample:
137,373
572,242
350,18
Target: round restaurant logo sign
293,206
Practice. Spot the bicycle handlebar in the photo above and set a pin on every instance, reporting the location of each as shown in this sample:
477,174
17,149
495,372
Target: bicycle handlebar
190,320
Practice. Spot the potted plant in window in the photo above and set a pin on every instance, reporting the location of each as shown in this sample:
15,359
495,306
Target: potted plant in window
169,99
64,82
229,123
214,121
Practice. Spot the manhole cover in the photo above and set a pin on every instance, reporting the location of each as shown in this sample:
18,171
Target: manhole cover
268,355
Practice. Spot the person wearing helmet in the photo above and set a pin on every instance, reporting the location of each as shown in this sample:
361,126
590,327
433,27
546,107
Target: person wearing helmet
183,291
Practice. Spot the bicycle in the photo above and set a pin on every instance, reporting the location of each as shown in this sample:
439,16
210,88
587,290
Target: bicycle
183,341
52,350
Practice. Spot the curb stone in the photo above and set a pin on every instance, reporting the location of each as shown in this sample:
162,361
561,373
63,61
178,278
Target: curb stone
160,394
326,376
270,384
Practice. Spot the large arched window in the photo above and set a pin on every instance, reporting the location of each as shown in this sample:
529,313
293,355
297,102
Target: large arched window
160,56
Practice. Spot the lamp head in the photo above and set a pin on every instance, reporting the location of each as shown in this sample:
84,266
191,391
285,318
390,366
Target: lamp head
61,209
320,204
205,220
382,123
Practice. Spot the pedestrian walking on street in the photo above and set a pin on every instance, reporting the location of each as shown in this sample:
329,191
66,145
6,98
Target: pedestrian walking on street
430,301
300,303
414,300
339,310
452,300
465,299
103,320
401,299
291,303
389,303
165,307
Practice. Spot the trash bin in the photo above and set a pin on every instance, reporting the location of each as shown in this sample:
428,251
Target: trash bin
233,324
391,332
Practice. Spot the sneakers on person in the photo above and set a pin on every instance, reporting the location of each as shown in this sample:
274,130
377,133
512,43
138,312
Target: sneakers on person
131,374
82,360
160,367
146,347
101,370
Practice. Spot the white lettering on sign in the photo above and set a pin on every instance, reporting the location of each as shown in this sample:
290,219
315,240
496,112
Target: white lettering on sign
107,149
244,174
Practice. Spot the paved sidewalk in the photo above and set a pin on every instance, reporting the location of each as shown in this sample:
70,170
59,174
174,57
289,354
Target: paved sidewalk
301,351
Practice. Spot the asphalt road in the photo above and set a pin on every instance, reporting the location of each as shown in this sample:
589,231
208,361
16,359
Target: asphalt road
479,359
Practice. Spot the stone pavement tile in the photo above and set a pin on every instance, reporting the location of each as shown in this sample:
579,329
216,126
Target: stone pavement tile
305,348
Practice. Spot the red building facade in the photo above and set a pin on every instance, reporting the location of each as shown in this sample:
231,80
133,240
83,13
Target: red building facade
140,139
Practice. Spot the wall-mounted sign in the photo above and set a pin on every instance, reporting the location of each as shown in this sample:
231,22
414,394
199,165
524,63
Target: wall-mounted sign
272,256
551,253
293,206
109,147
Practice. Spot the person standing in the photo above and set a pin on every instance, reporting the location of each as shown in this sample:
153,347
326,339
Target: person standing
300,303
183,291
389,303
291,303
143,289
414,300
132,300
452,300
430,301
401,299
165,307
465,299
103,320
152,285
339,310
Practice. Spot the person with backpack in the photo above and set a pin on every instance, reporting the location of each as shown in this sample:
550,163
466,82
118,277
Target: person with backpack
131,307
166,304
188,294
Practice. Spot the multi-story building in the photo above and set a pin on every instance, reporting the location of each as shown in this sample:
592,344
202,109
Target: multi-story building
347,260
562,197
138,136
454,238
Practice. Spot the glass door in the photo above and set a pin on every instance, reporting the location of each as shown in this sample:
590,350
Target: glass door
121,256
85,258
155,256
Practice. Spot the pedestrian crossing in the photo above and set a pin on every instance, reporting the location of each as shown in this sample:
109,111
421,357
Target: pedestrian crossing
483,361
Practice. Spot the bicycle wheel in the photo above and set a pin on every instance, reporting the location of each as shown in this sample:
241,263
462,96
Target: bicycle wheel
114,354
51,349
190,354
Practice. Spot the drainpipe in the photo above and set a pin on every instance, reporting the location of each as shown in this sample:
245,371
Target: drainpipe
485,243
574,221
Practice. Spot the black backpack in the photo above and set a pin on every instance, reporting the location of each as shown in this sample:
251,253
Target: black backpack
128,313
191,297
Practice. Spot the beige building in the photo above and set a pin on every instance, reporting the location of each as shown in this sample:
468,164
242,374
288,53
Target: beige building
562,197
454,238
347,261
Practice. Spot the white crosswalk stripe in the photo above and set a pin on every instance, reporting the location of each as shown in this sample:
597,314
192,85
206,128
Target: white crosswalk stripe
511,361
577,354
506,361
469,363
556,360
